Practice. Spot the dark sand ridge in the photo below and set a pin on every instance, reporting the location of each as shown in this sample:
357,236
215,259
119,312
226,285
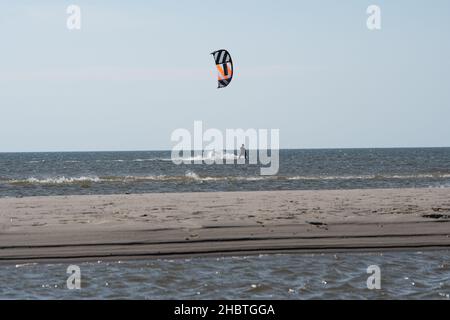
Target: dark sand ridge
99,227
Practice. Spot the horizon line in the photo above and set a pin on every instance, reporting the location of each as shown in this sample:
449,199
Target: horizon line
164,150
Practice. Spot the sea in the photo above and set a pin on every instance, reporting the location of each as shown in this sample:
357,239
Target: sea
404,274
70,173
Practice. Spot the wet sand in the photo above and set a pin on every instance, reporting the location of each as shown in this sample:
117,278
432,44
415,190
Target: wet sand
82,228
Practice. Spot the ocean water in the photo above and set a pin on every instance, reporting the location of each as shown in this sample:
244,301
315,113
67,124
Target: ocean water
37,174
404,275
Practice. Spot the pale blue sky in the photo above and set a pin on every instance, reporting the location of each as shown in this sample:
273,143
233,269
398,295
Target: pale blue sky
140,69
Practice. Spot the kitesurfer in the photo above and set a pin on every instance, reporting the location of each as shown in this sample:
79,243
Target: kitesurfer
243,152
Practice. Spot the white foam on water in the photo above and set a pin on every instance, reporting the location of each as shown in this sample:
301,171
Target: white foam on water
133,160
211,155
57,180
370,177
193,176
25,265
111,160
144,160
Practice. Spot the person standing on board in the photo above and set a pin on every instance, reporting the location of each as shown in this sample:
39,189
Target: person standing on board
243,152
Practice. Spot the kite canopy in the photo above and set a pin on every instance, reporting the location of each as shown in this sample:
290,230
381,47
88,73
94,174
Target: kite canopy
224,66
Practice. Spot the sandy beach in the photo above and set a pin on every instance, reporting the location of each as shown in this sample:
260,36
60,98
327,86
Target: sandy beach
81,228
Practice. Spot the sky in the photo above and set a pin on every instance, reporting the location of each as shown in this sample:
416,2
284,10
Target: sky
138,70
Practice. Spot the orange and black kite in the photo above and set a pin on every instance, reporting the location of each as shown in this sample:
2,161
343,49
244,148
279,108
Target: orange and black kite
224,66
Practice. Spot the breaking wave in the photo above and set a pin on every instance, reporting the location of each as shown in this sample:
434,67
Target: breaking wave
371,177
54,180
191,176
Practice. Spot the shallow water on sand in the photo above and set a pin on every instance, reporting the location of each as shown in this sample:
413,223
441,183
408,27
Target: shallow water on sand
404,275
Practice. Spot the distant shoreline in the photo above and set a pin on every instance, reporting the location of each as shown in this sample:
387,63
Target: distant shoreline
117,227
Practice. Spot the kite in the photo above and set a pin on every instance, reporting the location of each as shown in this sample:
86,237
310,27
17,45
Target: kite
224,66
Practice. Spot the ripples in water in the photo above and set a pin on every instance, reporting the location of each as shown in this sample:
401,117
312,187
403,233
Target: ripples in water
404,275
69,173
